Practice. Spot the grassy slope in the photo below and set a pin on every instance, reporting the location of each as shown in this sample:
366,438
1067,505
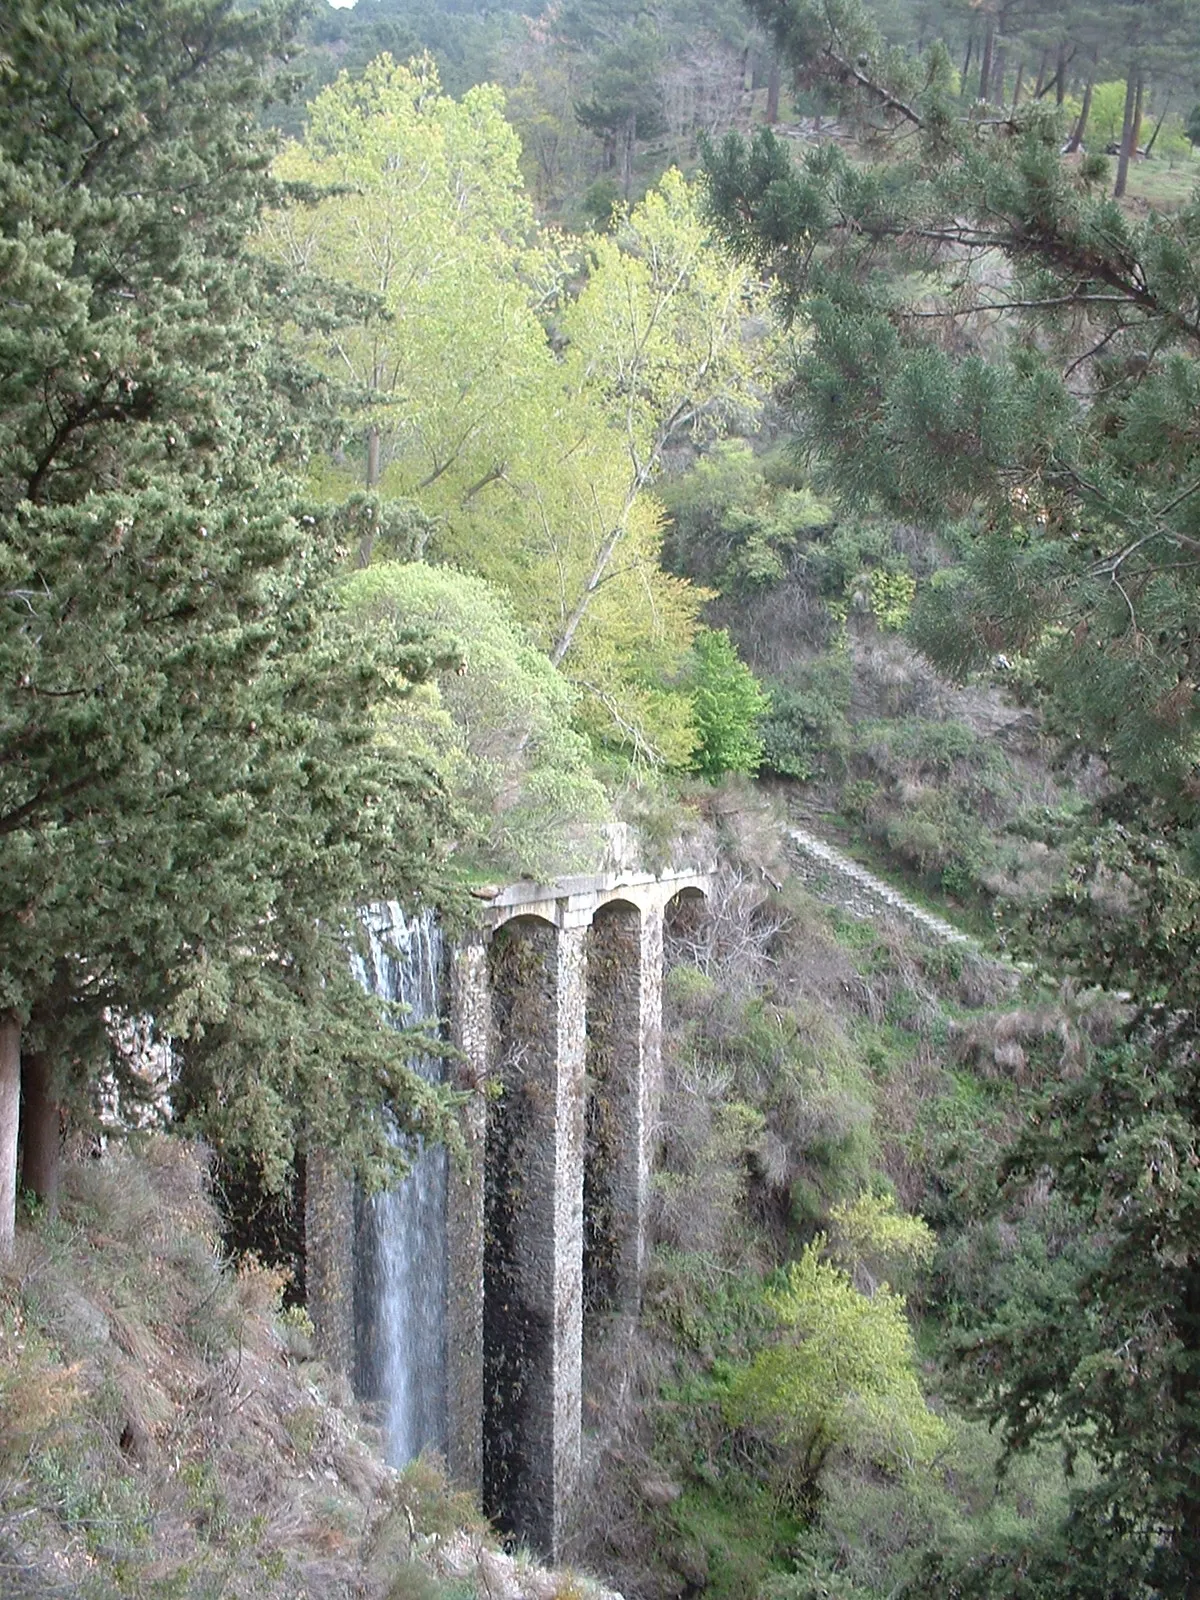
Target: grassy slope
165,1433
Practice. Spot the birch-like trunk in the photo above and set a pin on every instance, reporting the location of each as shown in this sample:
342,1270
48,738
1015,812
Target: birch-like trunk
10,1113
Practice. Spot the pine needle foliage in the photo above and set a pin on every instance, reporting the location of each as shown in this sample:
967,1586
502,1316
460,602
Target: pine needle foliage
191,795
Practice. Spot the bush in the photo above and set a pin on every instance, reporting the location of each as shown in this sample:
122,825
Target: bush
736,522
728,704
499,727
806,732
844,1374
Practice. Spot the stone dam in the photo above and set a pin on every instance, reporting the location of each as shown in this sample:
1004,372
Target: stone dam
554,1002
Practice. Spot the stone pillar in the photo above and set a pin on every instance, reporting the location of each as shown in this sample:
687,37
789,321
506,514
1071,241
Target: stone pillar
624,1050
470,1031
533,1259
649,1081
329,1258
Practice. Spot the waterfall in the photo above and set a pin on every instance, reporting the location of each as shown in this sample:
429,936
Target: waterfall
400,1279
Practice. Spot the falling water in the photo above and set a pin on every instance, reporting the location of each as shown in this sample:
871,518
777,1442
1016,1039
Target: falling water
400,1290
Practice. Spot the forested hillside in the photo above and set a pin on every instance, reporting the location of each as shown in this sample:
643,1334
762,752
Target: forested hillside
437,441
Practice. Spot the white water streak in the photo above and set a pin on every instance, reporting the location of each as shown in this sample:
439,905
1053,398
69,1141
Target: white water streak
402,962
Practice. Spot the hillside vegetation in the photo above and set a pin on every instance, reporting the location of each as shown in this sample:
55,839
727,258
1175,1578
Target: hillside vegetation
435,443
166,1431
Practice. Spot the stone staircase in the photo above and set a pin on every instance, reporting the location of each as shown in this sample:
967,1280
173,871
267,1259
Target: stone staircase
835,877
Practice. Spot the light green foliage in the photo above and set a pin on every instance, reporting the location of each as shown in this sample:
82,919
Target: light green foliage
891,598
875,1528
428,215
871,1235
534,479
656,342
843,1374
498,723
728,705
1107,113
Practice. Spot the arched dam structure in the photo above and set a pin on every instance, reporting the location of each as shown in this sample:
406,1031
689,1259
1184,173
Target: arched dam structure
555,1003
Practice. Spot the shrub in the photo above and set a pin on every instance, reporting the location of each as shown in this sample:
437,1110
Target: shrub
806,731
871,1236
728,704
844,1374
499,727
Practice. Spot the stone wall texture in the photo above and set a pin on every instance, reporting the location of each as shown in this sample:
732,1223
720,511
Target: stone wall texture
560,988
329,1258
471,1032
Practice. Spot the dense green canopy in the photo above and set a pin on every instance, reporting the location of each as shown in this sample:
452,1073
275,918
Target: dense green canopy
191,800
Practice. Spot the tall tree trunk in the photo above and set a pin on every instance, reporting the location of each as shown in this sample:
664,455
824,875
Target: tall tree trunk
1040,81
773,92
966,66
985,66
1080,128
627,142
1162,117
1135,135
41,1130
1060,77
367,543
10,1114
998,74
1131,94
1017,85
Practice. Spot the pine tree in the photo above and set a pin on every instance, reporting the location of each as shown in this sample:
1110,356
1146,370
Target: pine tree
1041,394
191,801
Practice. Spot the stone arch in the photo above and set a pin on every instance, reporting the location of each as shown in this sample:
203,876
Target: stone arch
684,909
520,1014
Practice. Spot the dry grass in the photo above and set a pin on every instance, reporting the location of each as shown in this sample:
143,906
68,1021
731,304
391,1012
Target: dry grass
163,1435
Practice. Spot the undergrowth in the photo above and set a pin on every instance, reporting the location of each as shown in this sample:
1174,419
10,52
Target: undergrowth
812,1059
165,1433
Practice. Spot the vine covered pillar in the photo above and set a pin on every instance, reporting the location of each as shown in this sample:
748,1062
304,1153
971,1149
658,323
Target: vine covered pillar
329,1258
470,1031
625,951
533,1252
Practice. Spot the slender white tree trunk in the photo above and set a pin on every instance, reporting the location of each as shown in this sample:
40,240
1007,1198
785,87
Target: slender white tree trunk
10,1112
